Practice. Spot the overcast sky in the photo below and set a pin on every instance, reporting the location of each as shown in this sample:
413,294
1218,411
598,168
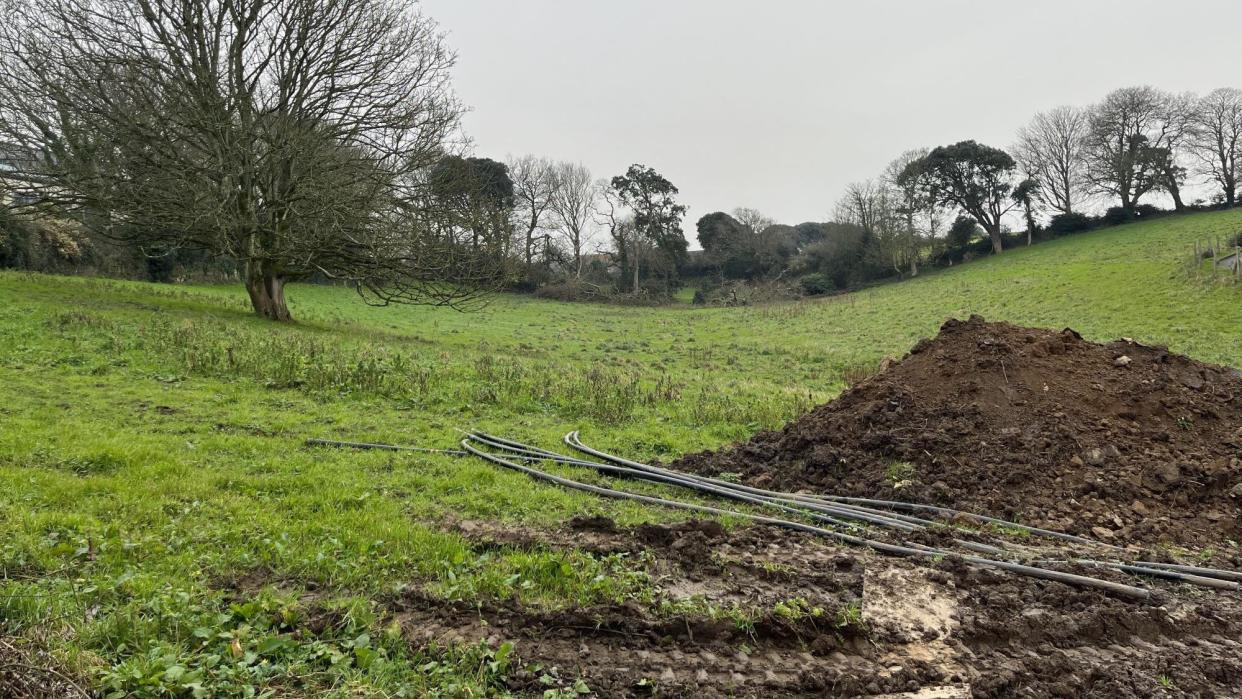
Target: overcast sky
779,104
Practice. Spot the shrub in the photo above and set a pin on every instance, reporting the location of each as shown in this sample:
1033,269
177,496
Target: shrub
1063,224
1117,215
15,241
963,231
817,284
570,290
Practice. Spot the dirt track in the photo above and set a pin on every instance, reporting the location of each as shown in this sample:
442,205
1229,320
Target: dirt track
946,630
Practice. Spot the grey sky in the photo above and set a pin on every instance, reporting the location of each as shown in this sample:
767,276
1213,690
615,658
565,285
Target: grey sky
778,105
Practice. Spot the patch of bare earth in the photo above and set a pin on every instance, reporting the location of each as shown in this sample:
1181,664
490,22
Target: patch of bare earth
947,630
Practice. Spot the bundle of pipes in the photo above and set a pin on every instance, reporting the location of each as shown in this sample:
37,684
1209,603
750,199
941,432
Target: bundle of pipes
849,516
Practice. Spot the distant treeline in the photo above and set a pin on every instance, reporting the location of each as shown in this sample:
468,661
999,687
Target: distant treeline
554,229
1070,170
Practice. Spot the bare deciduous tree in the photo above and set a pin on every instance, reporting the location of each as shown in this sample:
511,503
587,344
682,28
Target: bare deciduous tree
752,219
534,185
293,136
1050,151
919,211
1216,139
1176,127
872,205
1126,149
573,205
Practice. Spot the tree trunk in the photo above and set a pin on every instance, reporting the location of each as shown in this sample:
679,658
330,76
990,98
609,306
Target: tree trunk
267,293
1176,193
530,243
577,256
635,289
998,245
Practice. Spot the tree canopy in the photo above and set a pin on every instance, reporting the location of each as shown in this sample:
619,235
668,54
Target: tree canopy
292,137
657,215
976,178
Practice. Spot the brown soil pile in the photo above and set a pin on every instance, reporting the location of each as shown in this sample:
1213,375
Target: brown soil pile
1122,442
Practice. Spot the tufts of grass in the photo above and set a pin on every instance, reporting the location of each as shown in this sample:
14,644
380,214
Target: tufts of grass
152,458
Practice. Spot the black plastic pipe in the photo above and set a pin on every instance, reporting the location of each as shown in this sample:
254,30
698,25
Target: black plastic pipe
895,504
686,480
1204,577
797,504
821,513
881,546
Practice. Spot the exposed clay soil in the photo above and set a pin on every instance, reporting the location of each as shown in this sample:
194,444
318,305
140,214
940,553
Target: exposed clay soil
945,630
1120,441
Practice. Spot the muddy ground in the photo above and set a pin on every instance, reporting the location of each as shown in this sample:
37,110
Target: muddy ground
1120,441
884,627
1123,443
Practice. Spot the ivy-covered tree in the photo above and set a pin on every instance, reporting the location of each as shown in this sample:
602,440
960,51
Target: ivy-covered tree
728,244
476,195
1024,195
657,216
975,178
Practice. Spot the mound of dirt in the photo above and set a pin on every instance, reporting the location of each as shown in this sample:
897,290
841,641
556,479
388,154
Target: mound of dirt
1120,441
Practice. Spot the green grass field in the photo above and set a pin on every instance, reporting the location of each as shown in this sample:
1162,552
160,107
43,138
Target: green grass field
167,534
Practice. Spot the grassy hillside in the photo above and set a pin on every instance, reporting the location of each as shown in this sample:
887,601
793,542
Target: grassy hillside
166,529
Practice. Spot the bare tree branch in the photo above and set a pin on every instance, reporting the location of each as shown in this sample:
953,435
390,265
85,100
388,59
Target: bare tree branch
293,136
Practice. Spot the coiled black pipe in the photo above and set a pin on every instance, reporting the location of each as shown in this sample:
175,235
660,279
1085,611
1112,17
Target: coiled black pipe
881,546
1208,577
894,504
827,515
688,481
1204,577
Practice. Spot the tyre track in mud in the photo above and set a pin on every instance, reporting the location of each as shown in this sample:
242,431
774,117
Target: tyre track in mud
948,630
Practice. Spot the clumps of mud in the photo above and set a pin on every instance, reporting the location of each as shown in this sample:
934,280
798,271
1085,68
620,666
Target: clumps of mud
1121,442
892,628
819,622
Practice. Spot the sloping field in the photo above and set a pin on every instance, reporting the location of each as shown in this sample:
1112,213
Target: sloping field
167,533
